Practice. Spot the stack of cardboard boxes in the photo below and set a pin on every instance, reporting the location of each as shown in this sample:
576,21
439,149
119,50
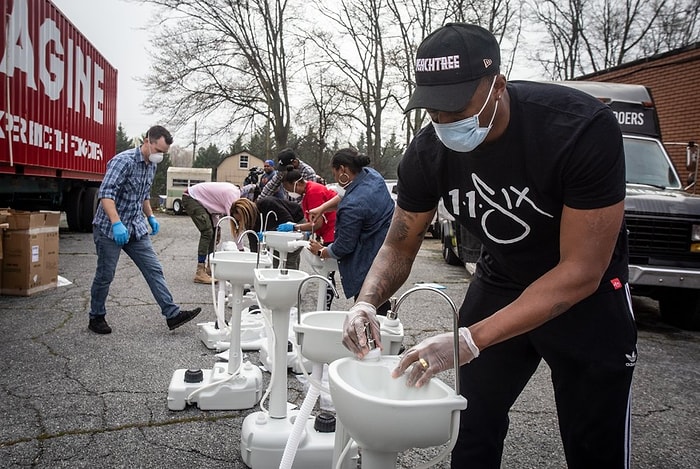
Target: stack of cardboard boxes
29,252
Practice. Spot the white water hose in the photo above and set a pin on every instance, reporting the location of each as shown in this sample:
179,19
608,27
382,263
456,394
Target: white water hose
290,449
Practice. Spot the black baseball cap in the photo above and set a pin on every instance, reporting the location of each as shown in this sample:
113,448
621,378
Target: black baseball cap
285,157
450,63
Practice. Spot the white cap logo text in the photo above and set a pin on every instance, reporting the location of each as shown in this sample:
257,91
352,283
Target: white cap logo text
435,64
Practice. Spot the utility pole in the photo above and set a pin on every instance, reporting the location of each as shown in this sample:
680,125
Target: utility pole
194,144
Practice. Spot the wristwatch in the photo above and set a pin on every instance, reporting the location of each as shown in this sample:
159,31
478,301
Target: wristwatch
319,252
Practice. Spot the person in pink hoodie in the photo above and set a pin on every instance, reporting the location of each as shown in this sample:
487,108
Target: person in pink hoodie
205,203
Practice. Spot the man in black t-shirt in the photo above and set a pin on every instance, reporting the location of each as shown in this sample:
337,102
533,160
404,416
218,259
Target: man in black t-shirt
536,172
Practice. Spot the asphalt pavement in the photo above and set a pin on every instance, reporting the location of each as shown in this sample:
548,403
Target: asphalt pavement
70,398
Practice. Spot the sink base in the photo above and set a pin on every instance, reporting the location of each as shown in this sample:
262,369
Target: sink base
263,440
210,335
240,392
252,333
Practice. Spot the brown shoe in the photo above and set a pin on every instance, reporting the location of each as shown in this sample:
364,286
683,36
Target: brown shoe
201,276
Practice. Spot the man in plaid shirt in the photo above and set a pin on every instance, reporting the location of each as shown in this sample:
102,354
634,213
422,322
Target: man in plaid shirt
288,157
120,224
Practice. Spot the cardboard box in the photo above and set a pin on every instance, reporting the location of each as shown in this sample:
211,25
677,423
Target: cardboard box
30,253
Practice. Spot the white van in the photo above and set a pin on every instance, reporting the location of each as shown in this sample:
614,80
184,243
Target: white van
179,179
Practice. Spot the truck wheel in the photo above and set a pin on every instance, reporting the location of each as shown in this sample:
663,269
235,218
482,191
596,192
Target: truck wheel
680,307
448,254
72,205
88,208
177,207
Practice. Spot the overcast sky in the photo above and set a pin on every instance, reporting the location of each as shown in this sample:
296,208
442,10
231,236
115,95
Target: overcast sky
116,29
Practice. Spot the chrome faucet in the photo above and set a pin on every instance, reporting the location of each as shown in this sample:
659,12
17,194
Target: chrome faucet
392,313
240,237
301,284
455,322
267,216
218,224
261,245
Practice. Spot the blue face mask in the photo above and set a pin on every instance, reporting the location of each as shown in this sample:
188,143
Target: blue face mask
465,135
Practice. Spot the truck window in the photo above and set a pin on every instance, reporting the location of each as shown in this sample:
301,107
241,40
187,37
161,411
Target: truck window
646,163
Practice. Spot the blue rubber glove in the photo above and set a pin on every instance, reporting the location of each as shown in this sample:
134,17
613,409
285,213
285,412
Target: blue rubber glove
120,233
260,236
288,226
155,226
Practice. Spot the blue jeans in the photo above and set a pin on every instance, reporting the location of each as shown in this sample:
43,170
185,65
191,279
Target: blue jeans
141,252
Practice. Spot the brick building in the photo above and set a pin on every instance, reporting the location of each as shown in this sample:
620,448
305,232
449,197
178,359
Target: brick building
674,80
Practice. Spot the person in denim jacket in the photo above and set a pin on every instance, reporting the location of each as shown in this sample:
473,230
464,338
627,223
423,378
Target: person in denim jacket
363,217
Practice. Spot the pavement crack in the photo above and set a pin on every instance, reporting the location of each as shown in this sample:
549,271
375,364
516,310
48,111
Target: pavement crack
44,436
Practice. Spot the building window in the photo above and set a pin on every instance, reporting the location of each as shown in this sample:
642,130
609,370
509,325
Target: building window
243,161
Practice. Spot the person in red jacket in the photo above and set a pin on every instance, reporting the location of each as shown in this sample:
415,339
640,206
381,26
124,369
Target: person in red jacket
312,194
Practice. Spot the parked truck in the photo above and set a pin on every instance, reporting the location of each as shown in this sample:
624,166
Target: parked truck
663,220
57,113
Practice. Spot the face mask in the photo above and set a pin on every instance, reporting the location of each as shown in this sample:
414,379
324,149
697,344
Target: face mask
155,158
340,190
293,195
465,135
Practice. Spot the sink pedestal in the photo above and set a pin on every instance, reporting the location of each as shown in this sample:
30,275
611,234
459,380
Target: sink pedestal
236,385
217,338
264,435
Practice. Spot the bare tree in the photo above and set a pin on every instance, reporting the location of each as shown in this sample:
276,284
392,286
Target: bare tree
677,26
322,108
562,21
357,55
592,35
615,29
222,58
414,20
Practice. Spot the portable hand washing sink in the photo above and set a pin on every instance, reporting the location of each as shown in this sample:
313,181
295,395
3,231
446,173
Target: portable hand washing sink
279,240
382,414
277,288
236,266
385,416
320,336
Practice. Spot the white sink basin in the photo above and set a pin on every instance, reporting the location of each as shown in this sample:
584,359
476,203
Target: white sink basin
320,336
236,266
279,240
277,289
383,414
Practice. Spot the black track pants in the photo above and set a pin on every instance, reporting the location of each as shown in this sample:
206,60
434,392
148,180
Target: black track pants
591,351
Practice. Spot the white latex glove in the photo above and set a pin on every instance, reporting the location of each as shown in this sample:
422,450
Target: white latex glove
361,318
433,355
